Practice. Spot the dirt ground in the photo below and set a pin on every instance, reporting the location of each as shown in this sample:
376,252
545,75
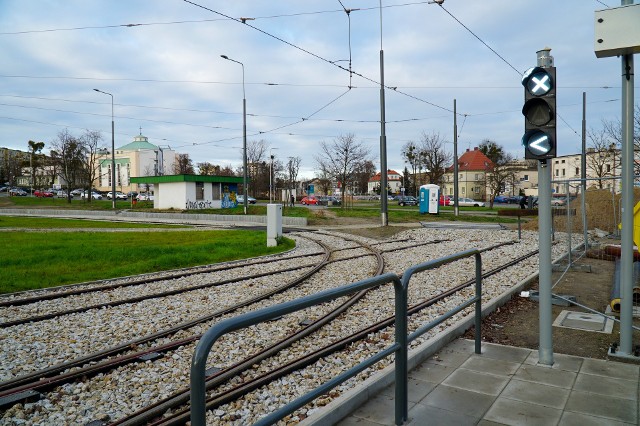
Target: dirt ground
517,322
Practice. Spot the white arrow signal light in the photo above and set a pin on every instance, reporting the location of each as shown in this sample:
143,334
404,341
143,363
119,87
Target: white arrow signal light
540,145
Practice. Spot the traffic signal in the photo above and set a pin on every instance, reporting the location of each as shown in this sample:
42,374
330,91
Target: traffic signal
539,111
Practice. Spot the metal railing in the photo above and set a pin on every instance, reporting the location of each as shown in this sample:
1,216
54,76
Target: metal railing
400,347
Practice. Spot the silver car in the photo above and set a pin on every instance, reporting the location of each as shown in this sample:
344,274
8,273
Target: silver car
468,202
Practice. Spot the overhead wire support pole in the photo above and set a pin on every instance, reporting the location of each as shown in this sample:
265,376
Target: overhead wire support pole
383,139
456,210
626,260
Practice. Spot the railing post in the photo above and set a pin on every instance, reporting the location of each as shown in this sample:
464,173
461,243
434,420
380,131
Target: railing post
478,334
402,404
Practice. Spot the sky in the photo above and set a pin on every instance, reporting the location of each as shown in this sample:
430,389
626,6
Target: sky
160,59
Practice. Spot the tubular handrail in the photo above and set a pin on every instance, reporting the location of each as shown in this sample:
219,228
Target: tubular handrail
399,347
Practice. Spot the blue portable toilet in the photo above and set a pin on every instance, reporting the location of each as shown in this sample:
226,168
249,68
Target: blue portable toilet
429,195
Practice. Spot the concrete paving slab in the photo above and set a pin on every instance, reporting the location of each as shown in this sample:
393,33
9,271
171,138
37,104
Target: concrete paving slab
476,381
560,361
472,404
421,415
546,376
518,413
430,372
579,419
492,366
609,407
610,369
619,388
535,393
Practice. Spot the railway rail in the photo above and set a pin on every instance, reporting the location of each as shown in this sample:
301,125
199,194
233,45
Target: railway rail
67,376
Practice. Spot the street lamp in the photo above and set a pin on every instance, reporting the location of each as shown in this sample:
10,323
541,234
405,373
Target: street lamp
244,133
113,155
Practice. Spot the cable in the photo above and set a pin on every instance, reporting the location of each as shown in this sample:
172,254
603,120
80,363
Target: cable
481,41
310,53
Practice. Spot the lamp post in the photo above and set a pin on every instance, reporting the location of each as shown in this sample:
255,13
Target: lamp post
244,133
113,155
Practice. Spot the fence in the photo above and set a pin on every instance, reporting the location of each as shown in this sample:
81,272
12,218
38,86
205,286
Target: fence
399,347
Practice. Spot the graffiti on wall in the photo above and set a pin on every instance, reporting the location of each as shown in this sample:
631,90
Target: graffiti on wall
198,205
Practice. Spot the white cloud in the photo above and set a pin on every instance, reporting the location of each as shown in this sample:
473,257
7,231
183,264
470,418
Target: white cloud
428,55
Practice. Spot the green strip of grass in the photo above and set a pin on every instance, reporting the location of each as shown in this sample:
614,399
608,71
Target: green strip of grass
53,223
36,260
412,214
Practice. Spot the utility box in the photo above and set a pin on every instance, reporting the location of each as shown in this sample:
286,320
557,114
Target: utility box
429,195
274,224
617,31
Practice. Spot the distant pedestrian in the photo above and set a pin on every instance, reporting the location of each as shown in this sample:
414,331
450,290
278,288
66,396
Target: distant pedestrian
523,201
293,200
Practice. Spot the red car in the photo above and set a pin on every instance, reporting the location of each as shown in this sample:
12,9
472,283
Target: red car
42,193
445,201
310,200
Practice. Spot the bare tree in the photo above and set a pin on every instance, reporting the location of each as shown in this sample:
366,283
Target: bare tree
613,129
433,156
340,159
291,174
182,166
256,162
69,157
92,145
501,170
601,158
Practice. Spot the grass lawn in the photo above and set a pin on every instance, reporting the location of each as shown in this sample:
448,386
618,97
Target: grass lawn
36,260
53,223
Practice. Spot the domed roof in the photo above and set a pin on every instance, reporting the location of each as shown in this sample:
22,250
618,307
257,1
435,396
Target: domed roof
140,142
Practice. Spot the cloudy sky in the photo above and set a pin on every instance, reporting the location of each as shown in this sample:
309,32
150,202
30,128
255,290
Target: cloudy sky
161,61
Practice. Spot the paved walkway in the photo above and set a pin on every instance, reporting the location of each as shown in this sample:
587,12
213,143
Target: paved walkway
506,386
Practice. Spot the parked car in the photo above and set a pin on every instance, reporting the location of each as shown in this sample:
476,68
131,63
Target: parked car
502,199
556,201
119,195
250,200
40,193
310,200
468,202
445,200
94,195
144,197
408,200
17,192
132,194
77,192
61,193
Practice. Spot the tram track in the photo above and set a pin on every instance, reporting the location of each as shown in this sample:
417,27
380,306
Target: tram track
43,380
146,416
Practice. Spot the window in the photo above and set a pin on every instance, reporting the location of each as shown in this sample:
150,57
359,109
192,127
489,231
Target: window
563,172
476,189
463,190
477,176
608,168
562,161
557,172
525,178
577,171
199,190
